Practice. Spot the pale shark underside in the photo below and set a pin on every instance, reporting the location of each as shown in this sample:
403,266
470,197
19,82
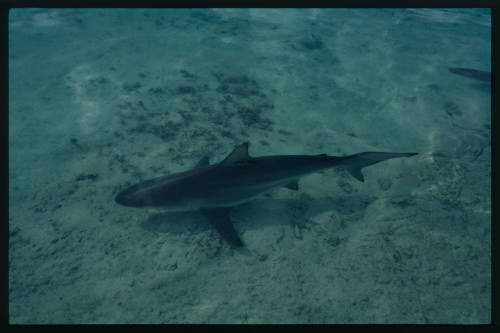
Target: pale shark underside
214,189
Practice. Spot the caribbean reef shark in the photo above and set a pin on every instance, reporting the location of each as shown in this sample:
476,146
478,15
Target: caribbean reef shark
214,189
472,73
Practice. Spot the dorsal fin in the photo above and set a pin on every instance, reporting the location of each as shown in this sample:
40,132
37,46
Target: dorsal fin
204,162
240,153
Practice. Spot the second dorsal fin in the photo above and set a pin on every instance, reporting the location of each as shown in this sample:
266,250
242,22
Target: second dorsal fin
204,162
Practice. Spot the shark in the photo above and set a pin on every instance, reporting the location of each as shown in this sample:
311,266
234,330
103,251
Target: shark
472,73
238,178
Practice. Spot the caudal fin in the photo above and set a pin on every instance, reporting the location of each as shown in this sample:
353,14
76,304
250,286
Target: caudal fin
354,163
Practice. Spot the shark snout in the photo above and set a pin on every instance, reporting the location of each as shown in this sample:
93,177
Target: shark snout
123,199
130,197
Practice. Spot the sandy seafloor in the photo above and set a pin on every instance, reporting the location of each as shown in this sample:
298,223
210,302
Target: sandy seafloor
102,99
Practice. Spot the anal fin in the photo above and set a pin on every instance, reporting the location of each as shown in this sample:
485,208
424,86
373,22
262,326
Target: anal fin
293,185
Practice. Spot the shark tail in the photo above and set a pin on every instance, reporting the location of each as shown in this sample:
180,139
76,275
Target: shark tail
354,163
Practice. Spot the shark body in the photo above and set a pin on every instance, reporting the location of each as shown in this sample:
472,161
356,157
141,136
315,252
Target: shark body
214,189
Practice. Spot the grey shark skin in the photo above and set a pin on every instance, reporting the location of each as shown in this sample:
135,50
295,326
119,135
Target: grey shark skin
239,178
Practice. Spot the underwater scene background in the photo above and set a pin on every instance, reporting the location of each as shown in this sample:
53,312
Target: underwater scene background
100,99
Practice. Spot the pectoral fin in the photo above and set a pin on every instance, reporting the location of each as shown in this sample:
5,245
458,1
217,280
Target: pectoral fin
356,173
219,218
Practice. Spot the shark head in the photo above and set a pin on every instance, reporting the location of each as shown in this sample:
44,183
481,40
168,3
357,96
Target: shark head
173,193
130,198
140,196
162,191
181,191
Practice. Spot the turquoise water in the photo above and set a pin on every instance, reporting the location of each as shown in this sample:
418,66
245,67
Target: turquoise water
102,99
